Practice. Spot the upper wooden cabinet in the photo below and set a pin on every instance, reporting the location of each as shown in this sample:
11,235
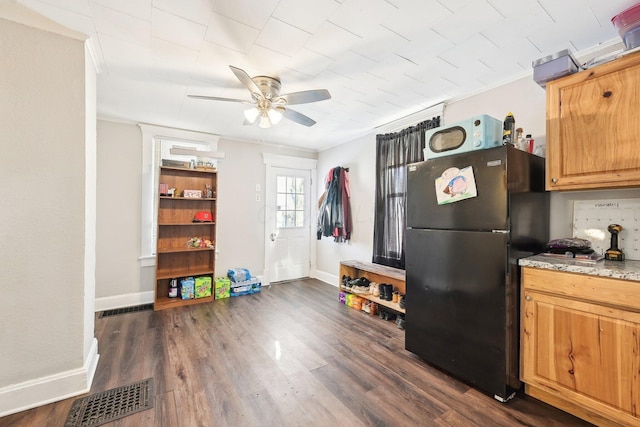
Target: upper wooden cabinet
593,127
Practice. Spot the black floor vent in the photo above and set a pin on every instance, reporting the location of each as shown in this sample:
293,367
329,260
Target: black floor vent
110,405
125,310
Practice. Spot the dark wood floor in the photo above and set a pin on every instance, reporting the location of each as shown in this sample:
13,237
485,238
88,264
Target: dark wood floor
291,355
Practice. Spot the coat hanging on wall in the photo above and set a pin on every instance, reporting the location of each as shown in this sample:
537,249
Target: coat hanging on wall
334,207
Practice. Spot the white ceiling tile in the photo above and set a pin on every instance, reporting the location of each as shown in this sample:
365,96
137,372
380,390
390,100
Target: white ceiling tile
531,20
381,44
194,10
282,37
137,8
125,59
519,55
392,67
123,26
362,17
426,45
456,6
212,67
306,15
410,17
75,20
249,12
517,10
350,63
230,33
331,40
172,62
178,30
309,62
77,6
468,20
262,61
473,48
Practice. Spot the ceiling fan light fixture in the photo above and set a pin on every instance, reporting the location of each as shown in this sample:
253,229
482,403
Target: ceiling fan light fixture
251,114
275,115
265,123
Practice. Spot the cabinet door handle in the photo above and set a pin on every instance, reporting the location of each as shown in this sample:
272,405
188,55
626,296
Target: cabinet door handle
528,298
554,180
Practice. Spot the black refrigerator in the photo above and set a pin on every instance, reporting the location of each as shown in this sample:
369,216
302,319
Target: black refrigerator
470,217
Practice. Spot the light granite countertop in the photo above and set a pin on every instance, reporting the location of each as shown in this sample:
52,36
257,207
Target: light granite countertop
627,270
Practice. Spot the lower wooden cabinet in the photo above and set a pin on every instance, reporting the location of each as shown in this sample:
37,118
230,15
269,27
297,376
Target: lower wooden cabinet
581,344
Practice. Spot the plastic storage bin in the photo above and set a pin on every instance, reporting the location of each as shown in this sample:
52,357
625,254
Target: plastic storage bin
627,23
554,66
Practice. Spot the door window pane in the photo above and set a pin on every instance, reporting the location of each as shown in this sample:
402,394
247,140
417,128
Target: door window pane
290,201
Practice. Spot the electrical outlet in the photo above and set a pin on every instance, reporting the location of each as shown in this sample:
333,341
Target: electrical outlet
257,197
258,187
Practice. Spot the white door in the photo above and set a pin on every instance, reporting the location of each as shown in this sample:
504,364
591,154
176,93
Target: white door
288,223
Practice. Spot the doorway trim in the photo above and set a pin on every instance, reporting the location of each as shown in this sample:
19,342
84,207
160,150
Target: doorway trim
290,162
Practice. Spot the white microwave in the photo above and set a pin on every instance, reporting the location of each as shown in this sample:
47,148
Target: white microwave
475,133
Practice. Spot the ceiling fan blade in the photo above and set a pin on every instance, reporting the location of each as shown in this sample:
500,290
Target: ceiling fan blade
306,96
298,117
246,80
216,98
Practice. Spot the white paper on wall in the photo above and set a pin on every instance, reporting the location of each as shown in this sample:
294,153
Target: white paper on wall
592,217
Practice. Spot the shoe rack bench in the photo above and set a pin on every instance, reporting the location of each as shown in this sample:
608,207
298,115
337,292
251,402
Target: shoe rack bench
374,273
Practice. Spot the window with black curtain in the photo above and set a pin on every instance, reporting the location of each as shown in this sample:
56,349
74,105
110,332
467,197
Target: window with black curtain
393,152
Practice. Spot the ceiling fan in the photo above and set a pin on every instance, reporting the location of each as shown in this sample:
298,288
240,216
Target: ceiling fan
267,103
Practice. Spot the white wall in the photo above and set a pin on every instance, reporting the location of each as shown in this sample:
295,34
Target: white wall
47,347
120,279
360,157
118,225
241,229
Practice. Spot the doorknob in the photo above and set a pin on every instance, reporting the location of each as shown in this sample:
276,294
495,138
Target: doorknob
273,236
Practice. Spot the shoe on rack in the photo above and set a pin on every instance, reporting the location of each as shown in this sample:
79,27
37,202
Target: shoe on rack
402,303
373,307
400,322
375,289
382,292
388,293
366,307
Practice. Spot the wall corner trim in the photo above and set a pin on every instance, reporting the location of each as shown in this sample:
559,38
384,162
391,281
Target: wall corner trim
52,388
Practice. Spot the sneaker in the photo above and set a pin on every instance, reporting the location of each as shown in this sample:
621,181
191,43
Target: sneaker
374,288
402,302
400,322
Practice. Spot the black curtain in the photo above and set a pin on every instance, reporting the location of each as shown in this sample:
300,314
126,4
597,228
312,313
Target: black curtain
393,152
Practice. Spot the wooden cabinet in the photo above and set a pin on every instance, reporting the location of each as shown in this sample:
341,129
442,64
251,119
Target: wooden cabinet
593,127
375,273
175,259
581,344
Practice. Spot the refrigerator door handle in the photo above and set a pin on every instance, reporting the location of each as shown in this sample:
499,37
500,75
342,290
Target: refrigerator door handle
500,231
